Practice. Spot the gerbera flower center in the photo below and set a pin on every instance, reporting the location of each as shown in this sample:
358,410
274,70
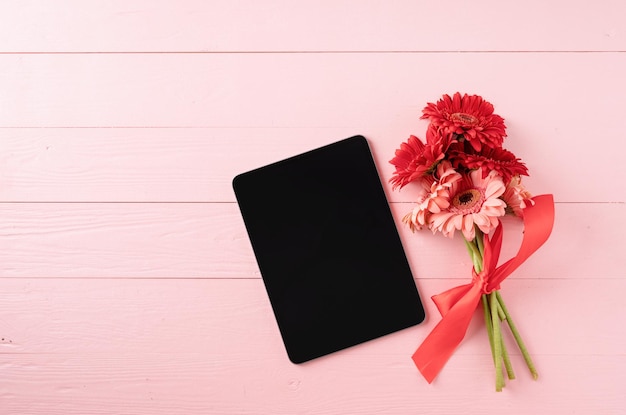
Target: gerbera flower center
464,118
467,201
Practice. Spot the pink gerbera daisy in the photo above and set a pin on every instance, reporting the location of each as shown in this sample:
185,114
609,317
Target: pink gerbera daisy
474,200
469,116
414,159
435,198
516,197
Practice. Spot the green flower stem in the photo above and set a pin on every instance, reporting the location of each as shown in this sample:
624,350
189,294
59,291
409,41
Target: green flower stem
488,324
507,362
497,340
479,242
494,314
518,338
501,313
477,258
505,354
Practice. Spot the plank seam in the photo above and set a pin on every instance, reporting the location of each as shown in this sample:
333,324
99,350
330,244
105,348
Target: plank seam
305,52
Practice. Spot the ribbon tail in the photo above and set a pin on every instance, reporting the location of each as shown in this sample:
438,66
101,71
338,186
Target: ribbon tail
538,223
447,299
492,248
441,343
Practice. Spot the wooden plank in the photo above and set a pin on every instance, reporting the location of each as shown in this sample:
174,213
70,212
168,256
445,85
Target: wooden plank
200,346
198,164
158,308
233,318
281,25
195,240
203,383
142,164
312,90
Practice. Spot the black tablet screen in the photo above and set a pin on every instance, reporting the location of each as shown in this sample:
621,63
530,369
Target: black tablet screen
328,249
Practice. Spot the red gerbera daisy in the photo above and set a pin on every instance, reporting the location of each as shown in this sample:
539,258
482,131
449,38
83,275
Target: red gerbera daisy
502,161
415,159
470,116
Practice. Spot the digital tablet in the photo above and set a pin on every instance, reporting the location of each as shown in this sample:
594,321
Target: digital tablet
328,249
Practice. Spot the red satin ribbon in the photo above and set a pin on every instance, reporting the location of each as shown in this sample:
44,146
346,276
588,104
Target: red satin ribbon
457,305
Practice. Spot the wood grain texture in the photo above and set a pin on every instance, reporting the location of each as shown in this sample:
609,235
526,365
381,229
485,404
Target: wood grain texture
537,93
205,353
233,318
203,383
198,164
128,283
282,25
163,240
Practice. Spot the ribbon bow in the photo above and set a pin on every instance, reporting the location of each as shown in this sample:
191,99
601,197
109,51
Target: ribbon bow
457,305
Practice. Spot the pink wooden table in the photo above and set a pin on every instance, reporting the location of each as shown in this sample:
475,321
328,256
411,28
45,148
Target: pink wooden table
128,283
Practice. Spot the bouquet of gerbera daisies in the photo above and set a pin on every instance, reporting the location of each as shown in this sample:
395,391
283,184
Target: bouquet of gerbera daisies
466,182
